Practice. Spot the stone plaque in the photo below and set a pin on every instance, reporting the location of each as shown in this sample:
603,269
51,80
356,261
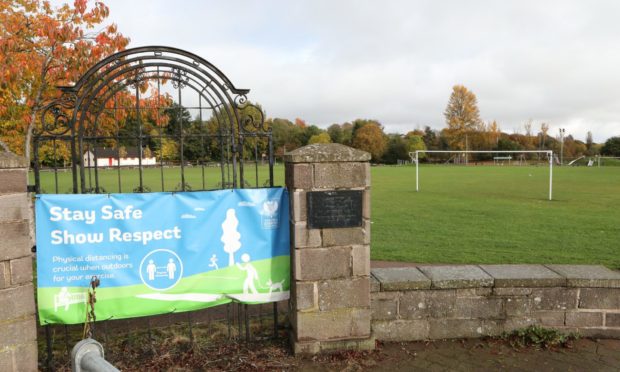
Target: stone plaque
334,209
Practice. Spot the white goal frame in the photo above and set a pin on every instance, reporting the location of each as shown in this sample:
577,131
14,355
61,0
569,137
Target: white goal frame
598,159
548,152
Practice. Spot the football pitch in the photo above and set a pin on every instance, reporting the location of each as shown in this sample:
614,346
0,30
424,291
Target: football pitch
494,214
474,214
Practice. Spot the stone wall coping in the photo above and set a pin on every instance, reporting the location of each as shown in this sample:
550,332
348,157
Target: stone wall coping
326,153
401,279
466,276
470,276
9,160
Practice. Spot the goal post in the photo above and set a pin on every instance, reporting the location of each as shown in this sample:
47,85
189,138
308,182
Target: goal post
599,157
548,152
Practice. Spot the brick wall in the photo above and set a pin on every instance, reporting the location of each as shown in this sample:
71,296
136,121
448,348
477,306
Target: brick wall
438,302
18,347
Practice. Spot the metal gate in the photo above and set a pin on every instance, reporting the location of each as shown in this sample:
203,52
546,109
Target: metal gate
153,119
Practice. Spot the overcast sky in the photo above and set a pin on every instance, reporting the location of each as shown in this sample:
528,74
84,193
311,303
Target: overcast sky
396,61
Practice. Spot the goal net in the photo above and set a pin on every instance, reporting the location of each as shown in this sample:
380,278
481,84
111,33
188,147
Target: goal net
497,156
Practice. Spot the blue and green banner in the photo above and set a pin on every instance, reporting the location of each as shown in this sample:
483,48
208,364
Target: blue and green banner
158,253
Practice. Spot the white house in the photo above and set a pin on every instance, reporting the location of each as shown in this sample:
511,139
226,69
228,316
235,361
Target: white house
109,157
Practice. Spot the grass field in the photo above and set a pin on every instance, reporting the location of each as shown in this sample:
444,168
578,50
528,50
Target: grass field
483,214
496,215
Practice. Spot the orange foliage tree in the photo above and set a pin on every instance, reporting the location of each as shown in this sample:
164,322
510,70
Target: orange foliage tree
42,46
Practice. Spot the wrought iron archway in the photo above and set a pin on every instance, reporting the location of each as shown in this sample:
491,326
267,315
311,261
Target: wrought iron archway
201,131
143,99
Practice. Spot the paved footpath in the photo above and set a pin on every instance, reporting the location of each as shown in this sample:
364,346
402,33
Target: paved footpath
472,355
477,355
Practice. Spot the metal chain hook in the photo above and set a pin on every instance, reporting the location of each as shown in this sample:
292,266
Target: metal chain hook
89,324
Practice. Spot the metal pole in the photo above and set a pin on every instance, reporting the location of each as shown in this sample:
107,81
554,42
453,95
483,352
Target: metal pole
550,174
562,131
87,355
417,161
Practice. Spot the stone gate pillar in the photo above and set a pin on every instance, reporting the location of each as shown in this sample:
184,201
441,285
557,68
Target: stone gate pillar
18,345
329,190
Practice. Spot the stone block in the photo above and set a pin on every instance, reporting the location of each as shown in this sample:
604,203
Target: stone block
524,276
360,255
599,298
335,324
306,296
466,292
14,207
367,230
612,320
299,212
384,307
13,180
20,331
583,319
401,279
339,175
549,318
305,347
421,304
480,308
21,270
588,275
484,291
326,153
596,332
360,322
366,204
463,328
367,181
6,360
343,236
554,298
509,291
357,344
10,160
347,293
304,237
511,324
456,276
17,302
375,286
518,306
400,330
15,240
299,176
323,263
413,305
5,275
26,357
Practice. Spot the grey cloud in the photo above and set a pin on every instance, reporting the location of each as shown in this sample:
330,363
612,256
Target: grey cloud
396,61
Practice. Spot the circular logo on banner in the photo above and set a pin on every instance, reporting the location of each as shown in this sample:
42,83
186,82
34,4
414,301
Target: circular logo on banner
161,269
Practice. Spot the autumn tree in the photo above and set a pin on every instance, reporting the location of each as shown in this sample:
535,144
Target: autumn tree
320,138
42,46
370,138
462,116
415,142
